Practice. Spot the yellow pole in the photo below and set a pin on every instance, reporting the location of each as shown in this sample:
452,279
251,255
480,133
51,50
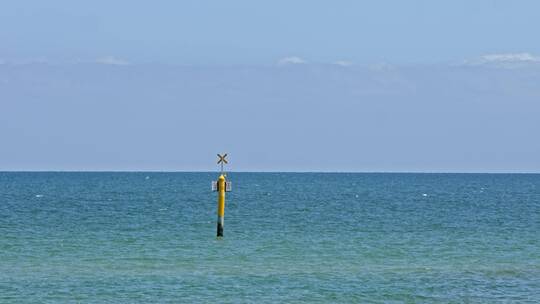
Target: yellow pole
221,205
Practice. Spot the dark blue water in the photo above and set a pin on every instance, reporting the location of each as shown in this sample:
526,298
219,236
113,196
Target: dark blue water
302,238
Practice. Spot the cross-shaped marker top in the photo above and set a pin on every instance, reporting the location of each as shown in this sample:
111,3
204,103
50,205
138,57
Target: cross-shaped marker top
222,159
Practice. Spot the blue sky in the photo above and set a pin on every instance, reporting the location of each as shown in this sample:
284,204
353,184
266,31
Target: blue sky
257,32
414,86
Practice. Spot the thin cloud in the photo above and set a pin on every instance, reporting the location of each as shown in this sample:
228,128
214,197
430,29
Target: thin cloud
112,61
26,61
291,60
343,63
382,66
504,60
511,57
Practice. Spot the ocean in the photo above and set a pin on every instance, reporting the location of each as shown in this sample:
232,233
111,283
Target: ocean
68,237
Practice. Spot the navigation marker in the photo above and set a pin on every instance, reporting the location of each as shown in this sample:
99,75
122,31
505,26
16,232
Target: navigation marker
221,186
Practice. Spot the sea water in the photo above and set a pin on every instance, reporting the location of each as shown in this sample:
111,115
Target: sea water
289,237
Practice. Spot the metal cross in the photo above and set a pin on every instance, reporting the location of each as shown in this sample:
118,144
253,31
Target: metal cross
222,160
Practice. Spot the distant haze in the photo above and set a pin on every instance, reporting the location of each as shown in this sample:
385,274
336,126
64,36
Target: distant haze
294,117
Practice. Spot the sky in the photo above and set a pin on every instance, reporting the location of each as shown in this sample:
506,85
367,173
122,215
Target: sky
256,32
355,86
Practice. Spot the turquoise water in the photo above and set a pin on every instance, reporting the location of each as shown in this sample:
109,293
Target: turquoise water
300,238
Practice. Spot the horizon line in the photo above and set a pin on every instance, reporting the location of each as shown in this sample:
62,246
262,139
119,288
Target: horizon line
300,172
